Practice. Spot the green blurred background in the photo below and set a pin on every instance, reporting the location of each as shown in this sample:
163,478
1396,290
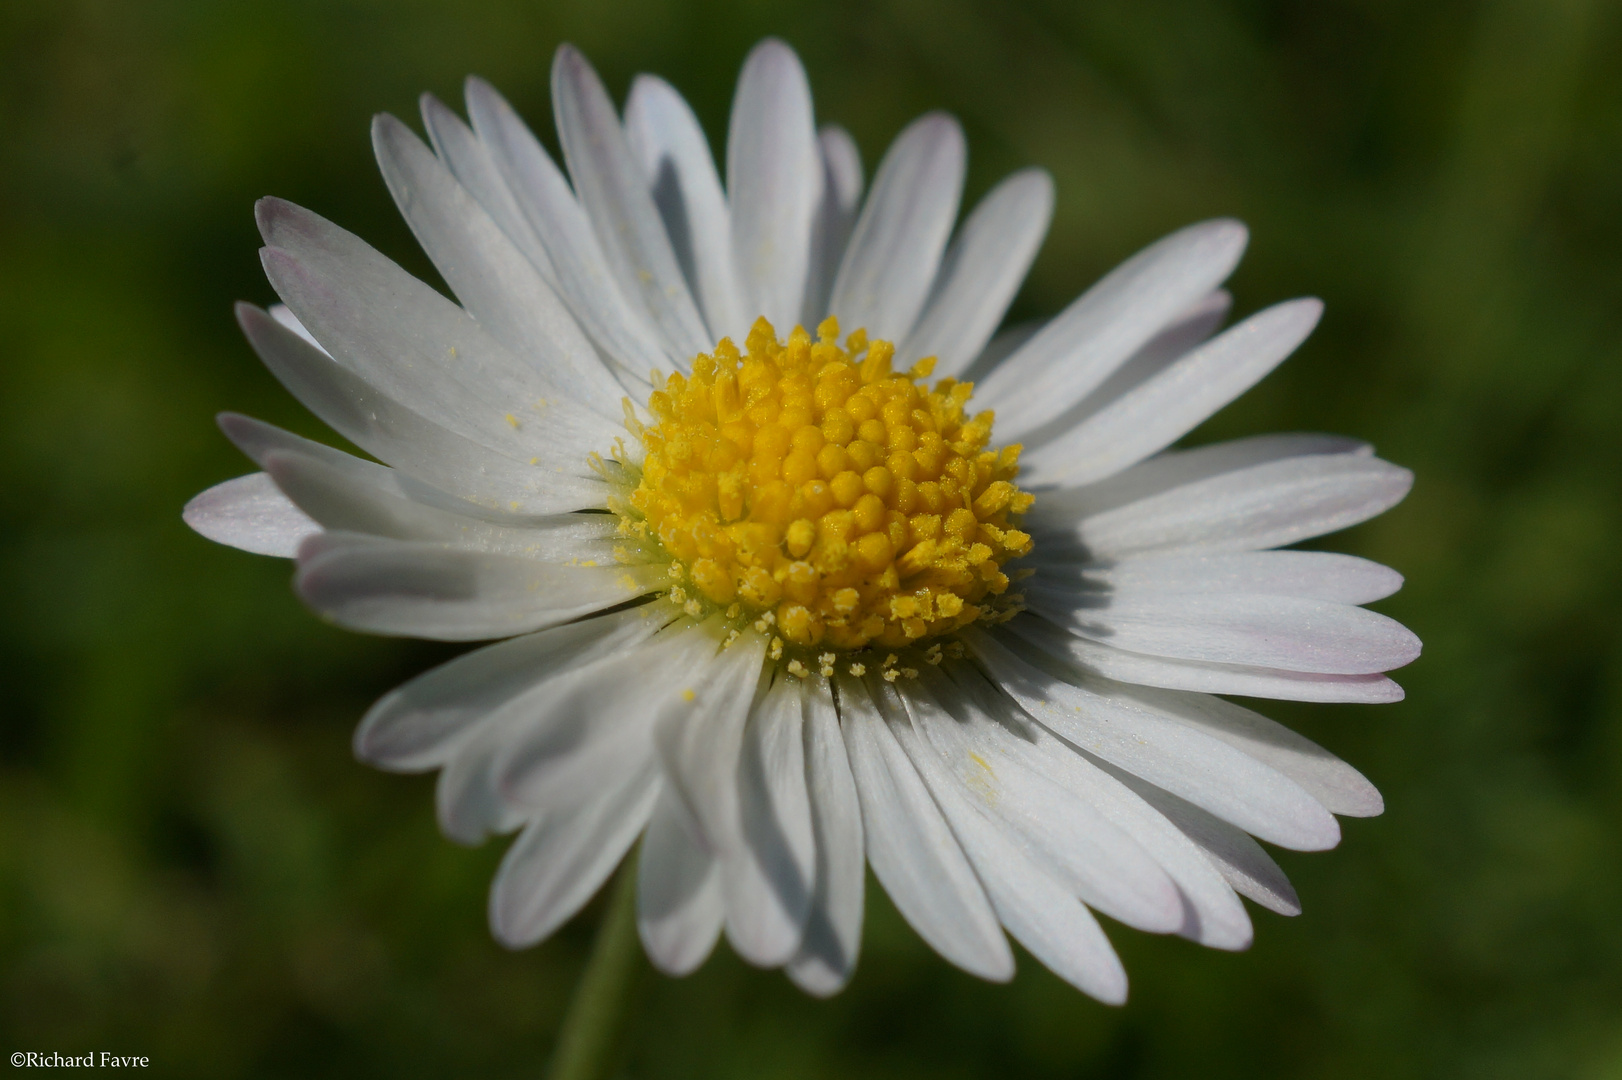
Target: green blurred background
192,866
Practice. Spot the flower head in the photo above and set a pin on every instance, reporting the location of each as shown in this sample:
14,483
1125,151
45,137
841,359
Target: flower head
799,565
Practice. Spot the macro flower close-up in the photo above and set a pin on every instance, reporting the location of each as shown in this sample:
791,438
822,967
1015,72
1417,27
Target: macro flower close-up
800,560
709,540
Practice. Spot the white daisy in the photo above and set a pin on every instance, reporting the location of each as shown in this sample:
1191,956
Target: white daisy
759,611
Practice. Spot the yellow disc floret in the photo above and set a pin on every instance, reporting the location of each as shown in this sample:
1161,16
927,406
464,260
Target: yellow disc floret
811,486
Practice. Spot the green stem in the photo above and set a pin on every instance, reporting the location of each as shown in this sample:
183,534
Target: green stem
588,1042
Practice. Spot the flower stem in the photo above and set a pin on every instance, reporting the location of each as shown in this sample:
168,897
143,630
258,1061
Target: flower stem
588,1042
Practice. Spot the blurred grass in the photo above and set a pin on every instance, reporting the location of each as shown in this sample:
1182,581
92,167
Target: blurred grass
192,866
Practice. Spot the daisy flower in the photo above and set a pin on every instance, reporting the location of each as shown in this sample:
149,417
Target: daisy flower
799,565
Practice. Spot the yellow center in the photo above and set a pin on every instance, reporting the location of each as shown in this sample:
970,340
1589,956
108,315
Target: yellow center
811,487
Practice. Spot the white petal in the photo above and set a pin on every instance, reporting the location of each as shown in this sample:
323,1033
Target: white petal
699,735
1179,468
664,136
1261,506
258,440
1003,344
578,727
250,513
470,162
613,191
842,160
1208,911
1041,913
1110,722
896,247
1335,784
426,590
584,278
1163,409
981,273
678,893
494,280
417,347
1130,667
912,851
579,732
1097,333
405,438
560,861
769,878
284,315
835,217
1101,864
418,725
1239,859
1184,333
1212,913
1315,575
774,182
1235,628
346,493
833,928
576,730
341,501
467,802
